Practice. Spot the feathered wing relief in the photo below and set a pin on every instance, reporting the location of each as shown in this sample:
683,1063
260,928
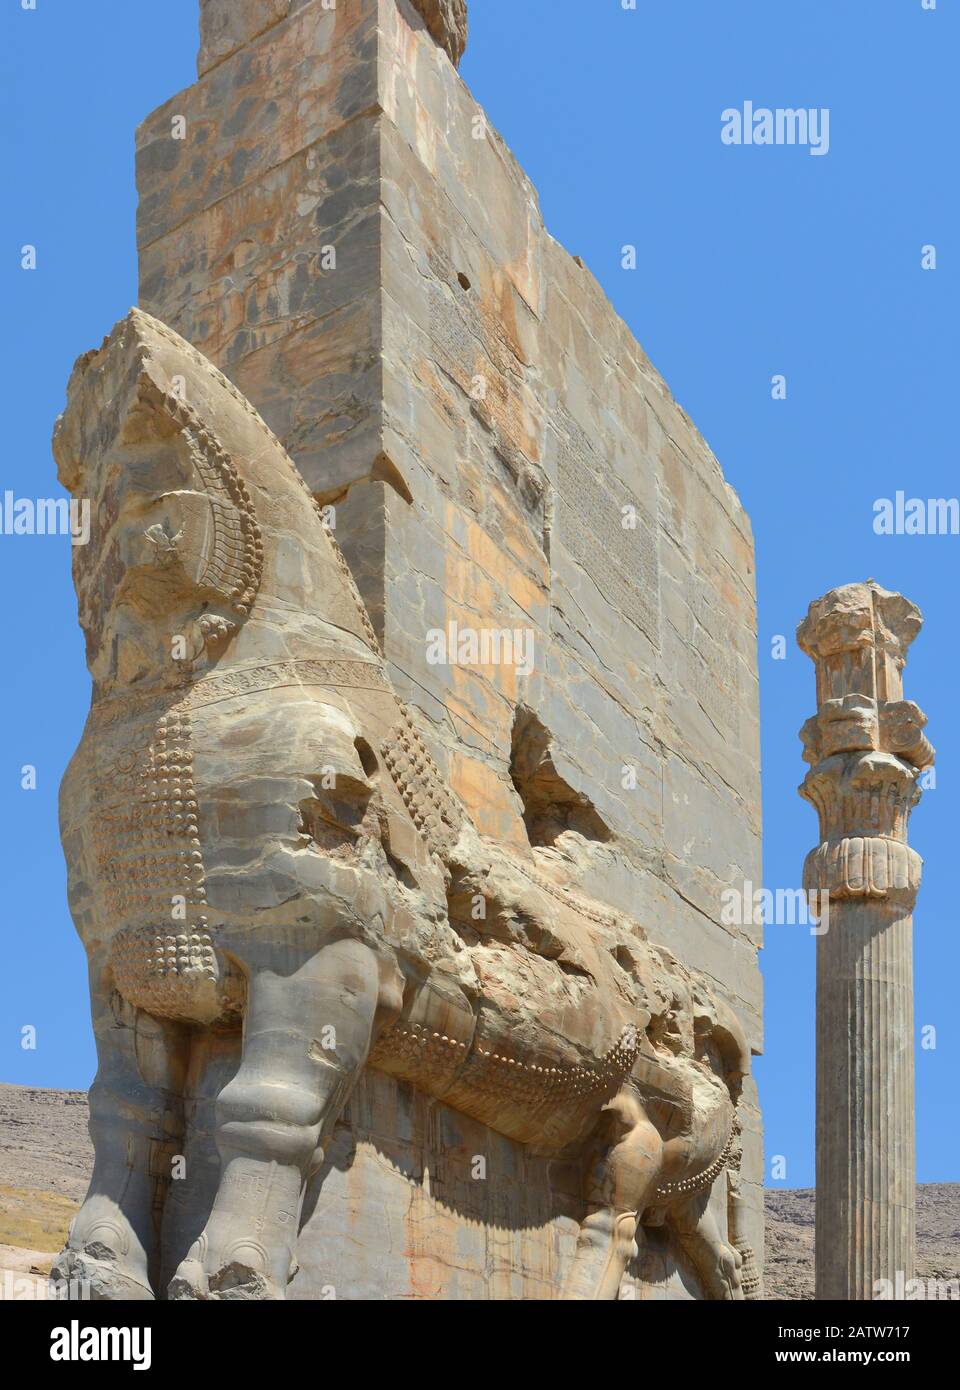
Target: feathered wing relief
260,839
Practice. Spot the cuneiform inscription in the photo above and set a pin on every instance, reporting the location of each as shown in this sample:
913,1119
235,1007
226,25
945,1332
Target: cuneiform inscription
712,670
606,530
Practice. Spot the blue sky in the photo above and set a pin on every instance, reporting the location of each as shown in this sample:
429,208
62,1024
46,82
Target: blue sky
751,262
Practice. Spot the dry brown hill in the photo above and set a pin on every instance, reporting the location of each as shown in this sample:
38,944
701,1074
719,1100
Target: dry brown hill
45,1163
789,1231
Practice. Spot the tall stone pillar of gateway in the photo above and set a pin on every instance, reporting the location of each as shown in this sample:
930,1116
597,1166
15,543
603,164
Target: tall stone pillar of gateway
867,749
497,1019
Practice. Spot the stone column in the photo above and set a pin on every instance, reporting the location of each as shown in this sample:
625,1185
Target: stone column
866,749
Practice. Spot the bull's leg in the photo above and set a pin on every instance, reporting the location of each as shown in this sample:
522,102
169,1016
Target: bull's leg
113,1247
626,1158
306,1038
717,1262
214,1062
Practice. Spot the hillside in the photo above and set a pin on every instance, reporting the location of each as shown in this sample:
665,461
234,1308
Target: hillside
790,1226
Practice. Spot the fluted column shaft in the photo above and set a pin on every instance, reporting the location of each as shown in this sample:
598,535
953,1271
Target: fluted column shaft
866,1177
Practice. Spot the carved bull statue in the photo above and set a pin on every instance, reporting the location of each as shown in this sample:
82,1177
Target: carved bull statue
276,888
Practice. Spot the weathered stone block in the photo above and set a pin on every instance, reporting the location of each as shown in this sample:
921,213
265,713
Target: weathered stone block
226,25
499,451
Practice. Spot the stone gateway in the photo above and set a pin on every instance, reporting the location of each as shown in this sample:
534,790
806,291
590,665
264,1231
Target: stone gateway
409,976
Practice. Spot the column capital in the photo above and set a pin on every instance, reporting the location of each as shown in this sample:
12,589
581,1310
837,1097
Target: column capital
858,636
859,724
866,744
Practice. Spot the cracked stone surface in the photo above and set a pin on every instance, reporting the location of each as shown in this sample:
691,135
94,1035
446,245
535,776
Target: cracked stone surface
343,234
447,22
281,894
227,25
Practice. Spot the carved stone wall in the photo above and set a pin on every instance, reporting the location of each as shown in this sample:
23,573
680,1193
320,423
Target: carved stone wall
400,1206
345,235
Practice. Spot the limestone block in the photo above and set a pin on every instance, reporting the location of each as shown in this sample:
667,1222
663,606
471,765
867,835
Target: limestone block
278,890
264,104
499,452
226,25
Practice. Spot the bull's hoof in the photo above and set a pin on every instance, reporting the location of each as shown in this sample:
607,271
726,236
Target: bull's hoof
735,1275
94,1274
727,1283
237,1280
189,1284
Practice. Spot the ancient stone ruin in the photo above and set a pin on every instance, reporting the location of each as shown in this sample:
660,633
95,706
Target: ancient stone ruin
424,731
867,750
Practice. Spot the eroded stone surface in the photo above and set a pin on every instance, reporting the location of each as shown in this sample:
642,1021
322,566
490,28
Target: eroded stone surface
227,25
462,391
447,22
277,887
342,232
